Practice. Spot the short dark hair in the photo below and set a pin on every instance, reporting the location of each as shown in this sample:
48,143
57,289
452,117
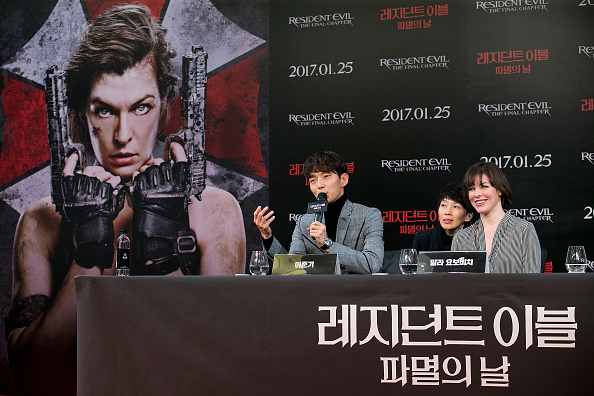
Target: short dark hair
454,193
496,177
324,161
117,40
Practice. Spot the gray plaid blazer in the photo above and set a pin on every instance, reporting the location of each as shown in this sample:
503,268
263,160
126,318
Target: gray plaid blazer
359,239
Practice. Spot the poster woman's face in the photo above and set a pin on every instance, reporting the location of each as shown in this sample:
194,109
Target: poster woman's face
123,118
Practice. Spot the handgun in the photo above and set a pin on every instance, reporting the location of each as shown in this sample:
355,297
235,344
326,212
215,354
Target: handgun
193,112
62,146
60,141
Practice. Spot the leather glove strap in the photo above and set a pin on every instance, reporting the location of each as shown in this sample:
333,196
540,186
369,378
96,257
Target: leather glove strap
162,237
187,246
154,239
167,266
91,206
93,242
167,240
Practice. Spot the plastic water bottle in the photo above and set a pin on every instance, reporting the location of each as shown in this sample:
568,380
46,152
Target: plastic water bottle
123,254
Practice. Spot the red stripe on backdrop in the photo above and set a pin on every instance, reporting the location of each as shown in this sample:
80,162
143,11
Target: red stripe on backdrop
25,129
231,115
96,7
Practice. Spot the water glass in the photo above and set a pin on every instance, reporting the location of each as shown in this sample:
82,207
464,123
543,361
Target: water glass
409,261
259,263
576,261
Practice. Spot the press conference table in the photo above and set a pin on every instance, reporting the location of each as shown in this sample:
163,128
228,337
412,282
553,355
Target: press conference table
463,334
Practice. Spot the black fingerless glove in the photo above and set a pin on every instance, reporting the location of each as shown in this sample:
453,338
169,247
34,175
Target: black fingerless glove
91,206
159,209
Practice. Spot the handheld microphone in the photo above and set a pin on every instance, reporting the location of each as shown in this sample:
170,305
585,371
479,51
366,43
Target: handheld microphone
319,216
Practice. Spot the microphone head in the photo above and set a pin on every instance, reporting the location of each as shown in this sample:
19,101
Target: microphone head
322,197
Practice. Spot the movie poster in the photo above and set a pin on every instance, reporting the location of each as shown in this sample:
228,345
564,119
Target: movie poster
35,36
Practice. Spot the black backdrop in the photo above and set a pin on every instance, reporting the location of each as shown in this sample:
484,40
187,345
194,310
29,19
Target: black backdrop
557,195
412,93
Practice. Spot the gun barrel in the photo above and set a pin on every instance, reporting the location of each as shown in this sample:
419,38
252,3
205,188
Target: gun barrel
57,127
60,142
193,116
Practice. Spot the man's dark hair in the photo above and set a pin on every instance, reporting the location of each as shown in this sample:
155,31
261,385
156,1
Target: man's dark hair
117,40
496,178
324,161
456,194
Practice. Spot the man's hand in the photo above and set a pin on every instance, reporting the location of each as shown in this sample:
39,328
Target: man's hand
317,231
262,220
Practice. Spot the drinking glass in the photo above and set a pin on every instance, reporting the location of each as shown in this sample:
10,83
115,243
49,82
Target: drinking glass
409,261
259,263
576,261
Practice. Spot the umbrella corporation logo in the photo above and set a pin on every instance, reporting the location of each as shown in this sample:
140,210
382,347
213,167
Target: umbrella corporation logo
416,62
511,5
418,165
324,20
333,118
515,109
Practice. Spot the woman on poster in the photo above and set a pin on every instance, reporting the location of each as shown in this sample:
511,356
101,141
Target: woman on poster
120,85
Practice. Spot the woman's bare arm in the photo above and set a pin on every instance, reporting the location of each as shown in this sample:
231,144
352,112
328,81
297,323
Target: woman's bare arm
43,353
217,222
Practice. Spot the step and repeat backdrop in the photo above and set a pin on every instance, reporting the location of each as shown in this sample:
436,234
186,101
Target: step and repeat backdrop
411,93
